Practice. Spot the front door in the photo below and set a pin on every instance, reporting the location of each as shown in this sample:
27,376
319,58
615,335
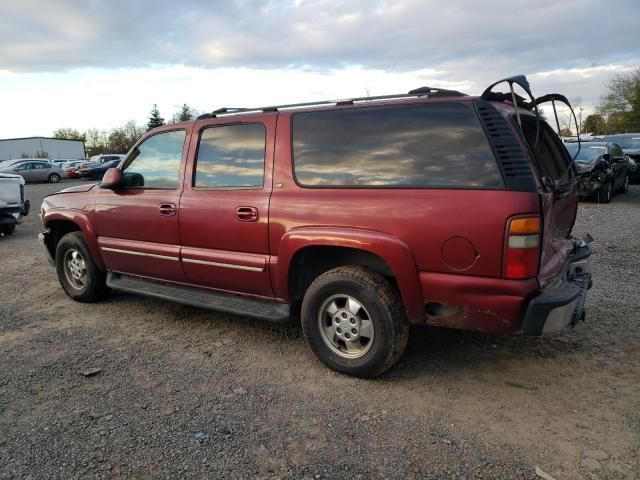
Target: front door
137,224
224,209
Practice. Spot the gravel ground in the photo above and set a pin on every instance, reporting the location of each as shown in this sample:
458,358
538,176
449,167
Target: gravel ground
186,393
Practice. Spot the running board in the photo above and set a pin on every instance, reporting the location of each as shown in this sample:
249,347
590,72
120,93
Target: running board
199,297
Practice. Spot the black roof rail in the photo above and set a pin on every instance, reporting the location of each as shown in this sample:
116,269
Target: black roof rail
419,92
437,92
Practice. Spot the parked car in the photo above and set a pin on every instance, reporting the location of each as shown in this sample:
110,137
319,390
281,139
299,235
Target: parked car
95,171
13,205
35,171
106,157
603,169
630,144
360,216
71,168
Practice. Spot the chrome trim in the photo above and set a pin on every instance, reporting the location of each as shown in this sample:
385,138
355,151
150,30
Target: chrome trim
223,265
140,254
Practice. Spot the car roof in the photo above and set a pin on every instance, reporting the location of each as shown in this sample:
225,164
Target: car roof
590,144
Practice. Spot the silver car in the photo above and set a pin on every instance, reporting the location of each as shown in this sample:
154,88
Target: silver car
35,171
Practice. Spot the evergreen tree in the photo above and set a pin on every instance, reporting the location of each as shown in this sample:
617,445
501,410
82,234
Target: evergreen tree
185,113
155,120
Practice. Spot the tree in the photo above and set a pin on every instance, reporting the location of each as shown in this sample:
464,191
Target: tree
184,114
155,120
565,132
69,134
595,124
621,103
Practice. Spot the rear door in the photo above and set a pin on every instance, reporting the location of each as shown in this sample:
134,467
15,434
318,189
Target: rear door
558,193
224,209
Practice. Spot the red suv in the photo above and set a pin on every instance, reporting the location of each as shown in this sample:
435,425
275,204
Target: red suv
360,217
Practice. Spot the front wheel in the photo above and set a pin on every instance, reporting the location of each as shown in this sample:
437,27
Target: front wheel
54,178
79,275
355,321
605,193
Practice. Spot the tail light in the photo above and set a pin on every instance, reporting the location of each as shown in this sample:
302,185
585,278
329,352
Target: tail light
522,247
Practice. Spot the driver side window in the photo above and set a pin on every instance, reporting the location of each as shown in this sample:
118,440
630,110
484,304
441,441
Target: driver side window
155,163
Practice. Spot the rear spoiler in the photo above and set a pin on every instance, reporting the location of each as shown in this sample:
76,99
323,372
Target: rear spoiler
532,105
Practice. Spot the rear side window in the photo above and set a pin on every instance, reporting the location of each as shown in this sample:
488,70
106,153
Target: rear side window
231,156
431,145
551,155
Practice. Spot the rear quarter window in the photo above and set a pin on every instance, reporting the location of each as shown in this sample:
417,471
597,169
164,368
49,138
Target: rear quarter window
437,145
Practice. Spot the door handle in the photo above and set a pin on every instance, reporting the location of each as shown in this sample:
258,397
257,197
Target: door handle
247,214
167,209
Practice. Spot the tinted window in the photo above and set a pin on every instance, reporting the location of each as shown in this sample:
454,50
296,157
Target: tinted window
551,154
156,162
231,156
432,145
40,165
588,153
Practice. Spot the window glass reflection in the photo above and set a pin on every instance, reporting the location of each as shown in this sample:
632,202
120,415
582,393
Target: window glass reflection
231,156
430,145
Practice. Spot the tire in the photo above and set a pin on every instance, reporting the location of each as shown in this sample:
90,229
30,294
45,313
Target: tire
625,185
606,192
54,178
78,274
7,230
380,323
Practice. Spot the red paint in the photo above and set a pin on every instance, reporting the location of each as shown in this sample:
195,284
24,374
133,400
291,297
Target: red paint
443,245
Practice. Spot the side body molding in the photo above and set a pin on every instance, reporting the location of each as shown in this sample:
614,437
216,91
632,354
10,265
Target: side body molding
391,249
80,218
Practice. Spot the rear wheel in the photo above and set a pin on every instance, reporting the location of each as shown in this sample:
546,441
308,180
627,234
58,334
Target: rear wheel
79,276
606,192
54,178
355,321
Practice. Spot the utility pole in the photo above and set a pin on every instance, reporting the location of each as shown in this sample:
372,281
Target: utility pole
580,122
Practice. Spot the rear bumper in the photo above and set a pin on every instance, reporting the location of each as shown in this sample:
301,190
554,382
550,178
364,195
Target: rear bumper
560,304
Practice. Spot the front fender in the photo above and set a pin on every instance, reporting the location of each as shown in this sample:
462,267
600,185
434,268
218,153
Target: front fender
391,249
82,219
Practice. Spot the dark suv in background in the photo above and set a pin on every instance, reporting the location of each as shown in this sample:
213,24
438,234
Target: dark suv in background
359,217
630,144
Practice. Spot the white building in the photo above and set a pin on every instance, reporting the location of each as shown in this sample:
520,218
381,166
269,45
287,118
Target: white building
37,147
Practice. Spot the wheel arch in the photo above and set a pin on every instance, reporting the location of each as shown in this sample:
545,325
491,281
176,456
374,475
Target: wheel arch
321,249
61,223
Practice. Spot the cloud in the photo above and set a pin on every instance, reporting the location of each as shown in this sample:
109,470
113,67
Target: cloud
98,63
398,35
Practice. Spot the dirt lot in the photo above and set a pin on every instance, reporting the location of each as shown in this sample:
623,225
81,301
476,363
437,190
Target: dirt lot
186,393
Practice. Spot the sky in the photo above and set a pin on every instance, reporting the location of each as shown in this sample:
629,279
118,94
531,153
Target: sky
97,64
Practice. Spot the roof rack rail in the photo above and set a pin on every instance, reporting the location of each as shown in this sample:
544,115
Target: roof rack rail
416,93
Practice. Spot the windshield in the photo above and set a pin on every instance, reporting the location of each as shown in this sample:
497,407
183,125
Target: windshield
626,143
587,154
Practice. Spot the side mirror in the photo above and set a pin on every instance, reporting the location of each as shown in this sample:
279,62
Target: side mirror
606,156
603,164
112,178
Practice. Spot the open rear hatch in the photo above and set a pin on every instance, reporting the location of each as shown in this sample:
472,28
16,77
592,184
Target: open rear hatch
555,168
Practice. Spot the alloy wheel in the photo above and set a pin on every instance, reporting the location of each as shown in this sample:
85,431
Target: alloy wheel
346,326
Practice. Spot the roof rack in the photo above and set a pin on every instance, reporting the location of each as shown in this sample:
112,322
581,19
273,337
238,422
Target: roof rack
416,93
